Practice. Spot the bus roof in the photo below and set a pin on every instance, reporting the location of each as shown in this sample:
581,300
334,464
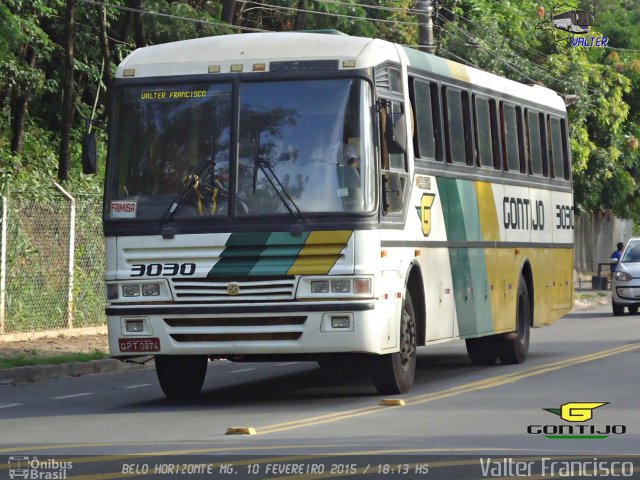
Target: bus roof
219,53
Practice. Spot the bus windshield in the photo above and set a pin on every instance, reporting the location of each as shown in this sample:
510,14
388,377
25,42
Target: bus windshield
303,146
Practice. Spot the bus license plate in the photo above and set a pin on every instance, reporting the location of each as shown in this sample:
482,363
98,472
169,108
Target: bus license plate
139,345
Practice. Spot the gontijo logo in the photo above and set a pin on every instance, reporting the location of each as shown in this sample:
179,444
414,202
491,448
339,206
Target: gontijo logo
577,413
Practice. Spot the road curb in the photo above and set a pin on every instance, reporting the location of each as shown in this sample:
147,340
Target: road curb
35,373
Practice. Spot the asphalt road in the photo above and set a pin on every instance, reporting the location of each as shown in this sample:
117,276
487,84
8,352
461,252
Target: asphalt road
455,414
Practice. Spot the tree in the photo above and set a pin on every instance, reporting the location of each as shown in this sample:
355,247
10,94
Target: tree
68,93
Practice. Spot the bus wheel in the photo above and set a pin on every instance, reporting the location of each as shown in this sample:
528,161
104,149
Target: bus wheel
393,373
515,347
633,309
181,376
483,350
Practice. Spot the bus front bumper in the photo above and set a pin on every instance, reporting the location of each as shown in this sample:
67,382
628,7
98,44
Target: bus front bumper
249,329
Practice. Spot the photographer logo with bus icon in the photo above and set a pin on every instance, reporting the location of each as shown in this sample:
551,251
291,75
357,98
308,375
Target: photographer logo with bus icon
33,468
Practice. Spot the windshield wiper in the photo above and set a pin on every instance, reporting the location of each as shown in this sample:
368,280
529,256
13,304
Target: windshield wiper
277,186
183,195
179,199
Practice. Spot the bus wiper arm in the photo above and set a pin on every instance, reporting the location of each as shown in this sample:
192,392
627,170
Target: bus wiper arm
278,187
180,198
178,201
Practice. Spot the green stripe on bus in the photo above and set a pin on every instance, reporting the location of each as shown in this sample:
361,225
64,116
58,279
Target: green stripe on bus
280,255
468,265
242,252
430,63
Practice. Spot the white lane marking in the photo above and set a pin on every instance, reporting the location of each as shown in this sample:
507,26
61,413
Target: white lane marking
71,396
243,370
287,364
9,405
138,386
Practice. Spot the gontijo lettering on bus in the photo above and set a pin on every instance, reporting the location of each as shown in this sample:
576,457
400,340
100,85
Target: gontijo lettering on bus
521,214
172,95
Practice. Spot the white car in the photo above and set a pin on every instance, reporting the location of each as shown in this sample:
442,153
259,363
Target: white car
625,285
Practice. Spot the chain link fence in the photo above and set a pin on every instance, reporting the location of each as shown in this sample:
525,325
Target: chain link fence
52,261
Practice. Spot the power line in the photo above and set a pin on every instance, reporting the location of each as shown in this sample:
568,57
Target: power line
335,15
168,15
410,11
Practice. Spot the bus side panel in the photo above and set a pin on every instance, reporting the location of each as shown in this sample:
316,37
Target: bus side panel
499,262
435,263
468,265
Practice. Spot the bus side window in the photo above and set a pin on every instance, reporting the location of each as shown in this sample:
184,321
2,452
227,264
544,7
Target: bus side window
558,146
510,149
534,142
543,144
484,131
565,148
457,126
522,152
425,137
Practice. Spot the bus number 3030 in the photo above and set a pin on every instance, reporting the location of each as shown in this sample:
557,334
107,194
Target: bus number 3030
162,269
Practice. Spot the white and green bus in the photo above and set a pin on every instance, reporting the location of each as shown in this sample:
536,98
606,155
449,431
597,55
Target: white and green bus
326,197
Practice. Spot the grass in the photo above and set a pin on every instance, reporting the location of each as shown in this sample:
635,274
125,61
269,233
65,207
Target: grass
587,295
22,361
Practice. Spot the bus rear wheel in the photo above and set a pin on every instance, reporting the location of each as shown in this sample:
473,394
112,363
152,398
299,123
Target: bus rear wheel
514,347
393,373
181,376
483,350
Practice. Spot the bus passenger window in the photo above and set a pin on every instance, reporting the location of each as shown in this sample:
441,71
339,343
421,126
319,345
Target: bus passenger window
484,134
456,131
558,149
510,137
534,142
425,144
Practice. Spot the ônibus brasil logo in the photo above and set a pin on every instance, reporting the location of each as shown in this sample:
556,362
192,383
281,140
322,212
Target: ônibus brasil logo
577,413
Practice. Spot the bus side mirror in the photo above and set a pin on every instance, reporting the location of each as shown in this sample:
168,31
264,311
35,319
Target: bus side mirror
89,154
396,133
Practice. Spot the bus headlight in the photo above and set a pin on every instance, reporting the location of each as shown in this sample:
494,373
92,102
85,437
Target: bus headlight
144,291
320,286
336,287
131,290
340,286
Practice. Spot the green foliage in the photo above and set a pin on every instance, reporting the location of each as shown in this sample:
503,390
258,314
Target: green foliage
605,84
504,37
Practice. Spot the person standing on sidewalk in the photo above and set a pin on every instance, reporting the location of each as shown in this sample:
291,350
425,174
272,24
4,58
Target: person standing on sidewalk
615,257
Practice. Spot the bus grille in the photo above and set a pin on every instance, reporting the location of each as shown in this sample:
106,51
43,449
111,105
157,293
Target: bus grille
235,322
236,337
234,289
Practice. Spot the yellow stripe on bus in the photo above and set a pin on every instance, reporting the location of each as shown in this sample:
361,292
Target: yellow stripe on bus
320,252
488,213
552,287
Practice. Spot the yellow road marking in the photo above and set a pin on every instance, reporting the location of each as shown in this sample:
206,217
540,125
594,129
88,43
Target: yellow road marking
491,382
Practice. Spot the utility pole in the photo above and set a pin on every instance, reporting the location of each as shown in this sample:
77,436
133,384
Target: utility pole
425,18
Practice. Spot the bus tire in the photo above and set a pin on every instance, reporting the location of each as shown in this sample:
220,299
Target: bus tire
633,309
514,348
618,309
482,350
393,373
181,376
